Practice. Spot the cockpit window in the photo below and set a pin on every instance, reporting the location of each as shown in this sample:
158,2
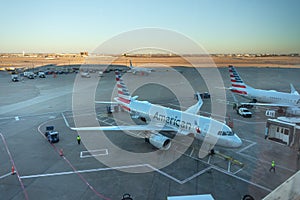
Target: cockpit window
225,133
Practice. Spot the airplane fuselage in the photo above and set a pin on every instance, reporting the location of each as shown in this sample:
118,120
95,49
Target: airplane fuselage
272,96
185,123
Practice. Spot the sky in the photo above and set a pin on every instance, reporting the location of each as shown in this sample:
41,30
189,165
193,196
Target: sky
219,26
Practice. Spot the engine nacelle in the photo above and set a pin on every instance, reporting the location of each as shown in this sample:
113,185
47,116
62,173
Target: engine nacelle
160,141
293,111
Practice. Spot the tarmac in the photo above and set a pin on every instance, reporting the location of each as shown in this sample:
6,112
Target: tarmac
66,170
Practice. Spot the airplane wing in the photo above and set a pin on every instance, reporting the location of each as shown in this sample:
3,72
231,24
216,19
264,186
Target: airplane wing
130,128
124,128
194,109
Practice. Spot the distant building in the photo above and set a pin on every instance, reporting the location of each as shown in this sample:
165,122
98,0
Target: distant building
84,53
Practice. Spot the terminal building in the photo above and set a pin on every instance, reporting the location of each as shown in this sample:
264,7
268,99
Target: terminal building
285,130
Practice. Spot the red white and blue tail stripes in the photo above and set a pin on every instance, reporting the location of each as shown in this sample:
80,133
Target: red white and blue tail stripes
238,85
123,93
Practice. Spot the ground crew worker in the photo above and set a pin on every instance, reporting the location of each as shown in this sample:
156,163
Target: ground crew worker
78,139
272,166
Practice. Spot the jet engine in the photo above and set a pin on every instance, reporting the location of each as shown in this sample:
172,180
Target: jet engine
160,141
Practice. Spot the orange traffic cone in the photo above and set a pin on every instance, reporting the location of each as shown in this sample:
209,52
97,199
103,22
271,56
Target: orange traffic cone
61,153
13,170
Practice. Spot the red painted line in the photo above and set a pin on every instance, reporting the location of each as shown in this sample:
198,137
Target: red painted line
74,169
13,163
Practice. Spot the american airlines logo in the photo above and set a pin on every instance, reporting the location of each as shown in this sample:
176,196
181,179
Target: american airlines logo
174,121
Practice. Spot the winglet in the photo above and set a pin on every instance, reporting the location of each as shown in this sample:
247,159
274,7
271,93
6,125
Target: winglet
293,90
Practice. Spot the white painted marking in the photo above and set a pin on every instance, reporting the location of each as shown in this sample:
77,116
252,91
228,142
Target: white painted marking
238,171
195,175
229,165
250,145
5,175
151,167
209,159
81,171
192,151
165,174
93,153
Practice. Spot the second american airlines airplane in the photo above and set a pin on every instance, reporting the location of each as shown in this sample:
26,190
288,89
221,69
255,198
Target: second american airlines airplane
134,70
289,101
166,119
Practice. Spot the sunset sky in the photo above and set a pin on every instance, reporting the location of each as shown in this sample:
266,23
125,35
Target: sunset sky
70,26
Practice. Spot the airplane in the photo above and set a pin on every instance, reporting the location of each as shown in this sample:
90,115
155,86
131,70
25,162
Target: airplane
269,98
134,70
185,123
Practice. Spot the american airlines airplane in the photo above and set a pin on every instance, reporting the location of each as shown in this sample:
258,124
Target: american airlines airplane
134,70
166,119
288,101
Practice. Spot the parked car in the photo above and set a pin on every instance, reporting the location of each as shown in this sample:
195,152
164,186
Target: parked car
244,112
30,76
41,74
15,77
85,75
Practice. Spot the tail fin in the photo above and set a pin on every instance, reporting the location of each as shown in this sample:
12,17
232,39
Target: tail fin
238,85
293,90
123,93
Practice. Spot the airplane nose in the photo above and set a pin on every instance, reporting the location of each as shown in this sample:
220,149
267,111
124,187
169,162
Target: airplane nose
237,141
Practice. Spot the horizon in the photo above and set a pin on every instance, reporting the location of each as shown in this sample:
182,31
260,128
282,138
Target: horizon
229,27
128,55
